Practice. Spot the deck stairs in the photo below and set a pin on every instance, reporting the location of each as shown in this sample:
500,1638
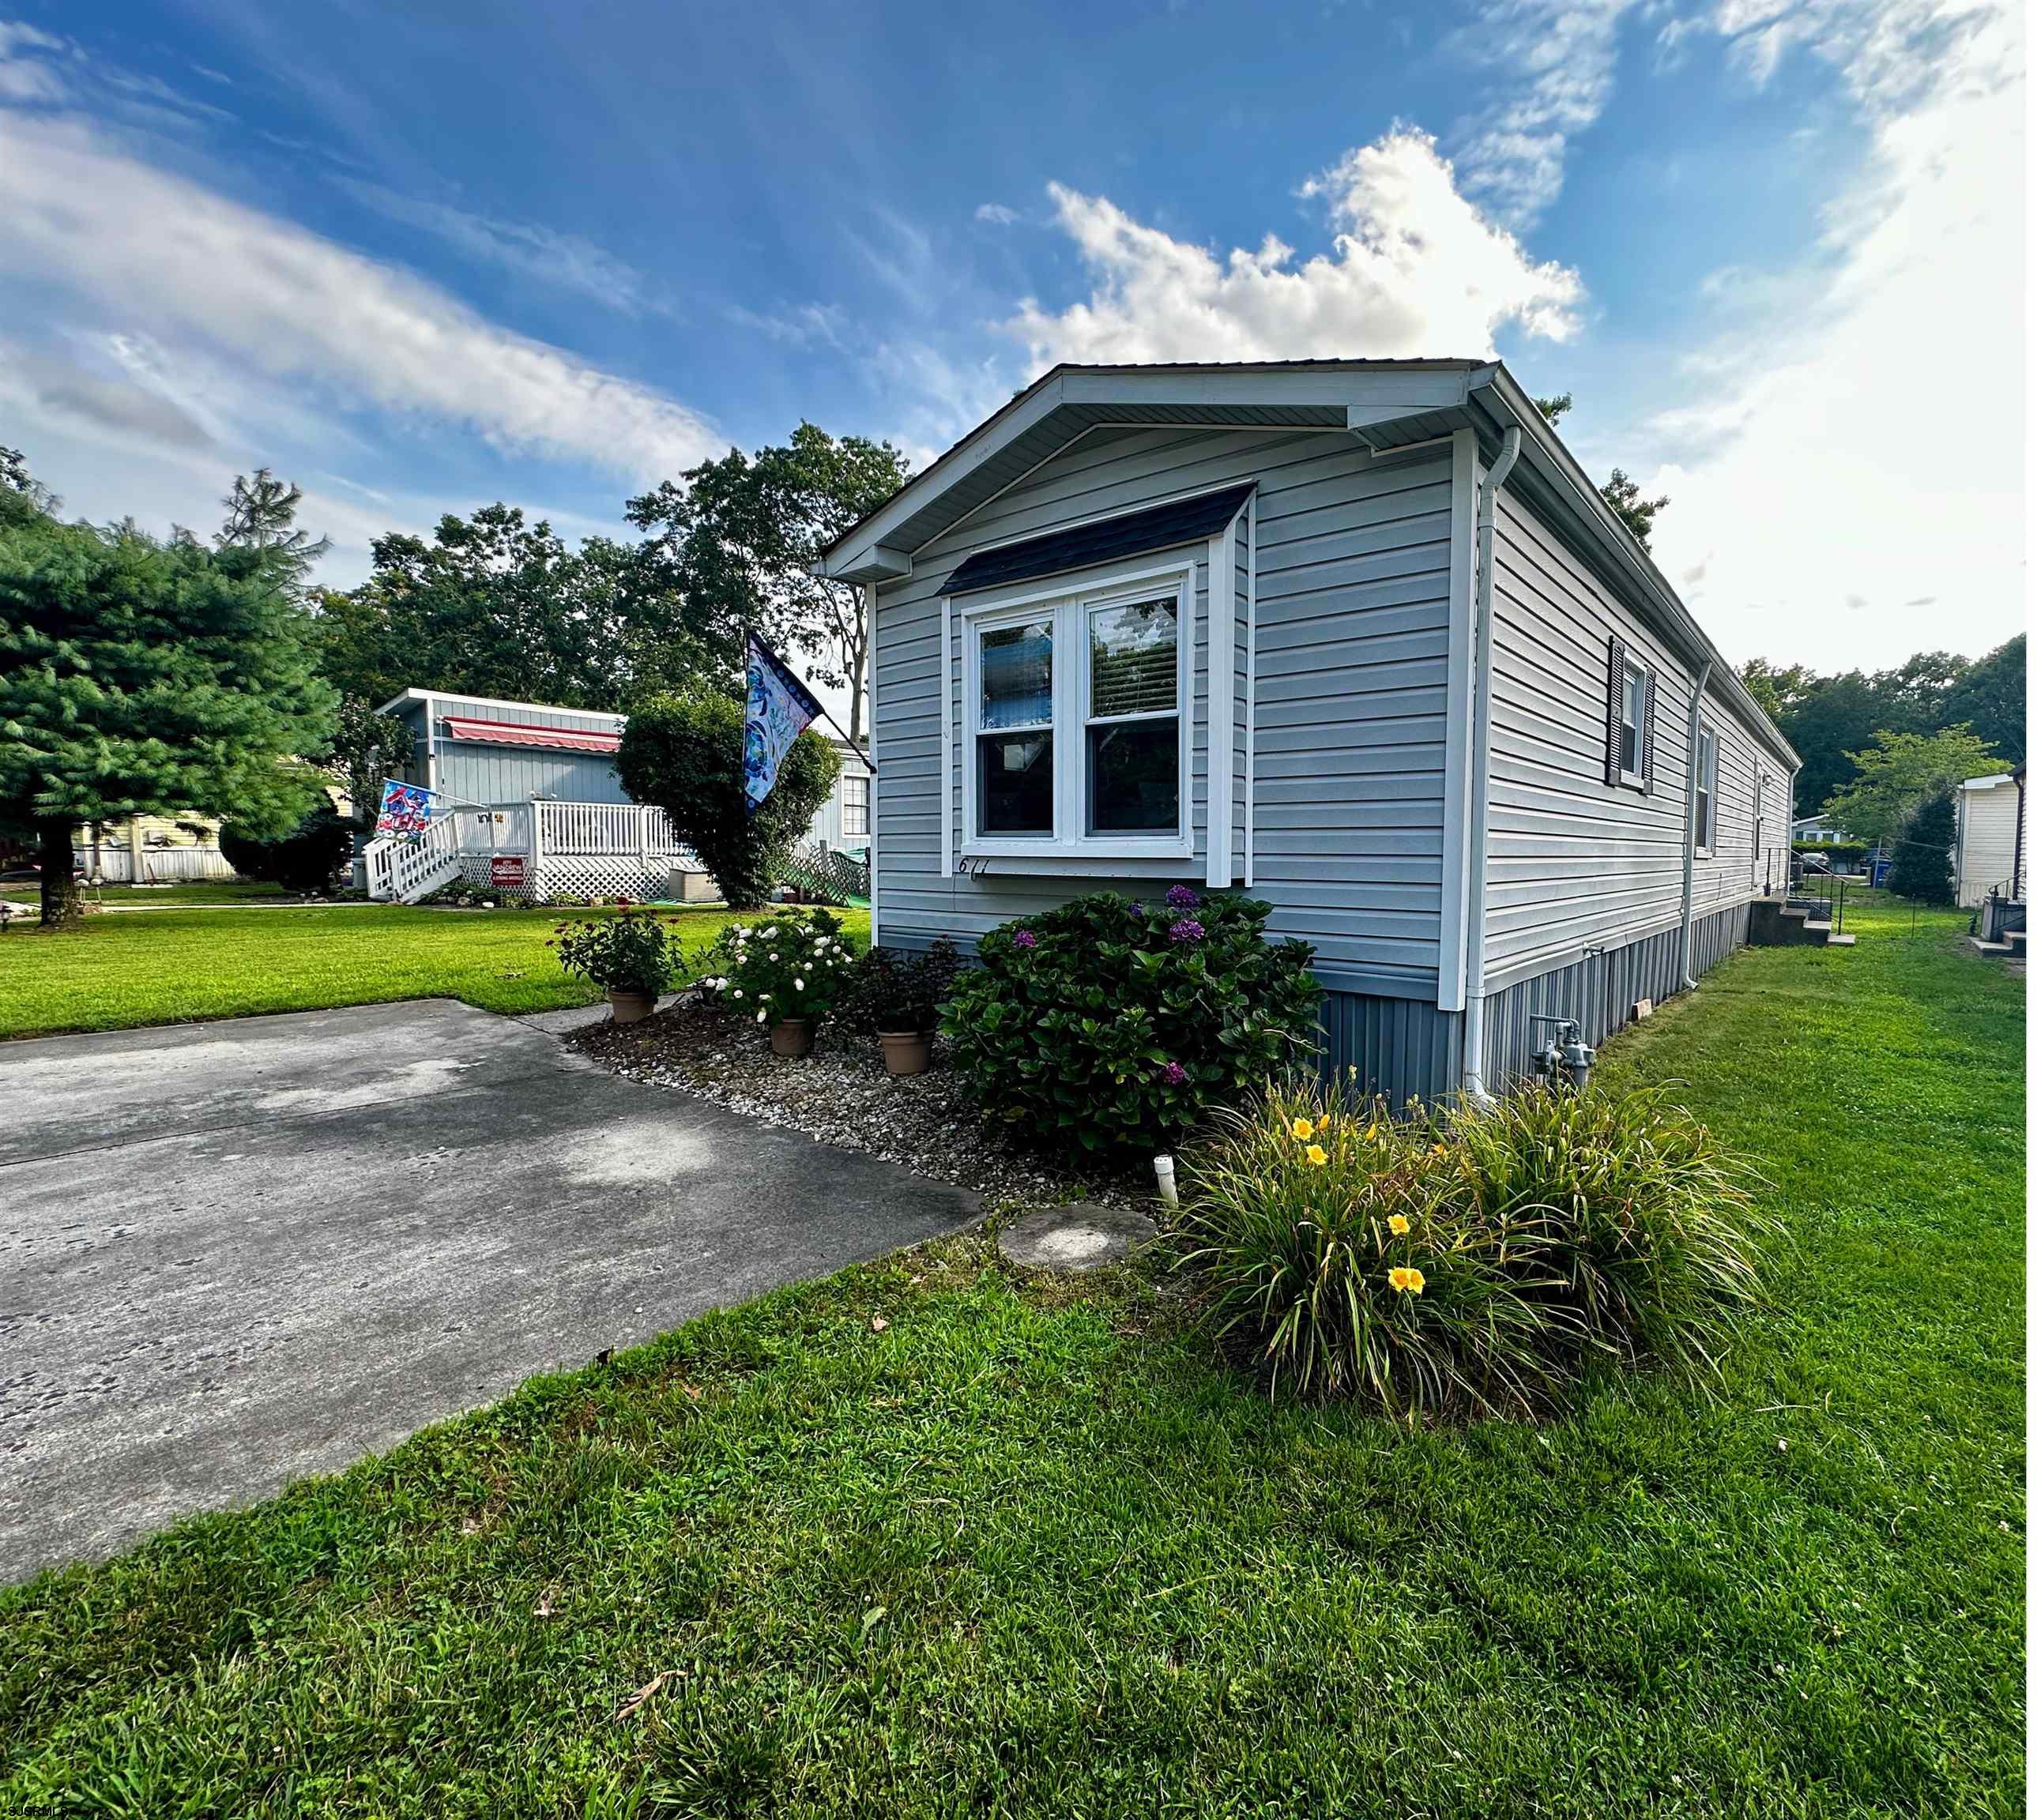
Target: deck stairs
2009,948
407,869
1792,923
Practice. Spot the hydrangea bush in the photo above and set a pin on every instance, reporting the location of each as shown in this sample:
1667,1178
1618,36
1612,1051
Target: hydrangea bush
1115,1025
790,967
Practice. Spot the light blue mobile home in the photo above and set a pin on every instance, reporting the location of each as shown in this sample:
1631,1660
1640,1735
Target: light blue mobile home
474,750
1358,636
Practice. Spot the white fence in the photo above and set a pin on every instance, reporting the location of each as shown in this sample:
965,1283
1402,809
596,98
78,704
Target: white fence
538,850
115,865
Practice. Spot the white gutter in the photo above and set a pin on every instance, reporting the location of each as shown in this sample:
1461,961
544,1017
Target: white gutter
1691,819
1481,787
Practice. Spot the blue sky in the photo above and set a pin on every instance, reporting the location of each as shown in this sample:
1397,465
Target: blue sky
418,262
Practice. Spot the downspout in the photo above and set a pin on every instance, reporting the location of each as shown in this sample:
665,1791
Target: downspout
1481,751
1691,819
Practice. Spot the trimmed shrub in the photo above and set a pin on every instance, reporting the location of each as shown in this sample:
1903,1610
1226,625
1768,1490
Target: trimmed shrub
1470,1260
684,754
1109,1024
307,860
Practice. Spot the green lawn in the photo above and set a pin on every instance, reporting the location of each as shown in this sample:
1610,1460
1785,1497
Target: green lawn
1027,1549
175,966
192,891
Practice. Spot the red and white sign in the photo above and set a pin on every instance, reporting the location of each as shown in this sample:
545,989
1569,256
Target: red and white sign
505,871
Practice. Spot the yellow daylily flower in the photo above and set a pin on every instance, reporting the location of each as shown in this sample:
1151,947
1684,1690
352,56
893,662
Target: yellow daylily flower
1398,1225
1316,1154
1302,1129
1406,1280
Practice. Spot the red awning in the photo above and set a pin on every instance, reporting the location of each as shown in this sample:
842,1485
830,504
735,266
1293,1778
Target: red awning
512,733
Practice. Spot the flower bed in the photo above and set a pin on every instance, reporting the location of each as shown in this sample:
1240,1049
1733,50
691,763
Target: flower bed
840,1094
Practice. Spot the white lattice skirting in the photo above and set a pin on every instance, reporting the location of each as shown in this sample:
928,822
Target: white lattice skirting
580,875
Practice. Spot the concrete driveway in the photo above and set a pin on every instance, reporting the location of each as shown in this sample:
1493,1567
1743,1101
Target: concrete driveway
231,1254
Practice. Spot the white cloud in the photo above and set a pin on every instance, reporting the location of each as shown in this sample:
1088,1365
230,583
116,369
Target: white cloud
1559,56
149,252
996,214
1860,448
527,247
1416,269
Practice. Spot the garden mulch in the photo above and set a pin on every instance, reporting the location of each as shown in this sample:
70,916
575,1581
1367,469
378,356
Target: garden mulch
841,1094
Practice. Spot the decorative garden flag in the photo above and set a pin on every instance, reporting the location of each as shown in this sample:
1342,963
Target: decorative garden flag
779,709
406,808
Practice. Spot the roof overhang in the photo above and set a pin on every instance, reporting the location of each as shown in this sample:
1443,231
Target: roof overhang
1391,406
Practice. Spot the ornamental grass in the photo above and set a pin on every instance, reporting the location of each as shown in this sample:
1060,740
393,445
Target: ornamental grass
1470,1260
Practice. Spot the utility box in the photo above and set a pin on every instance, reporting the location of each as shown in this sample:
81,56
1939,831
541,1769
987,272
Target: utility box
688,886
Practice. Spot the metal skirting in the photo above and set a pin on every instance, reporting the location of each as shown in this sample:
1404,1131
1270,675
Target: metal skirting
1400,1048
1599,991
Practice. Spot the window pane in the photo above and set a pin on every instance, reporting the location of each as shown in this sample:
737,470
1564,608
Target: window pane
1131,657
1134,778
1633,710
1017,666
1014,783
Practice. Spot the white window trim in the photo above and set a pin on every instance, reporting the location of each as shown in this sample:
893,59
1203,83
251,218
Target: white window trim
1071,599
849,780
1637,779
1705,780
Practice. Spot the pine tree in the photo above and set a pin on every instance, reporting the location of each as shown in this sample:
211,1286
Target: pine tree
142,677
262,515
1923,868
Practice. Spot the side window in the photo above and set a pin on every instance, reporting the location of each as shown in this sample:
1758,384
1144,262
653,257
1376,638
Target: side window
1630,719
1708,789
854,805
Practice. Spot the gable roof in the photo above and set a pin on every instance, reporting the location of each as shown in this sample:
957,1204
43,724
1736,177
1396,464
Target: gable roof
1388,405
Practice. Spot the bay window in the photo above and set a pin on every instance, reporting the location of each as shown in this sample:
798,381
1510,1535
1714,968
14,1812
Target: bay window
1076,721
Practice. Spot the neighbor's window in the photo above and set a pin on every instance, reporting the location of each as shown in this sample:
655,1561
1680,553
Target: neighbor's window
1132,732
854,806
1707,787
1633,723
1014,741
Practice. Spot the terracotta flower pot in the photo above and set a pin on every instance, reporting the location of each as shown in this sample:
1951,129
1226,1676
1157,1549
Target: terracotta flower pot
631,1007
792,1037
905,1051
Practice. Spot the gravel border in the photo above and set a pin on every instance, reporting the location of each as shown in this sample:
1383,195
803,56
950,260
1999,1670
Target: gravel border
842,1095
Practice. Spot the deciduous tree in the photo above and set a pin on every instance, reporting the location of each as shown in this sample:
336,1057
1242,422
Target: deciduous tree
1923,867
1898,773
740,537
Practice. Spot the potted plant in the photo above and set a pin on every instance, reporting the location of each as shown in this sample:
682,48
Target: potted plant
896,995
630,957
785,973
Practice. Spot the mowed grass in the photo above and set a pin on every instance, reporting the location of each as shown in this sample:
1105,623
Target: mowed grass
927,1539
190,891
173,966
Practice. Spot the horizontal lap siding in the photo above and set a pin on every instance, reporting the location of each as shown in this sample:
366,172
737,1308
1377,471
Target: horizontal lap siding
1351,586
1574,863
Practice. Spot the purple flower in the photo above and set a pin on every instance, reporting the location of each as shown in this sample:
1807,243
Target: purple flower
1025,938
1173,1074
1138,909
1186,929
1181,897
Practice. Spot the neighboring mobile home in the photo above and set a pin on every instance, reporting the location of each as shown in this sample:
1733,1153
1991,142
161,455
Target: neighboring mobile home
531,804
1358,636
1988,853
